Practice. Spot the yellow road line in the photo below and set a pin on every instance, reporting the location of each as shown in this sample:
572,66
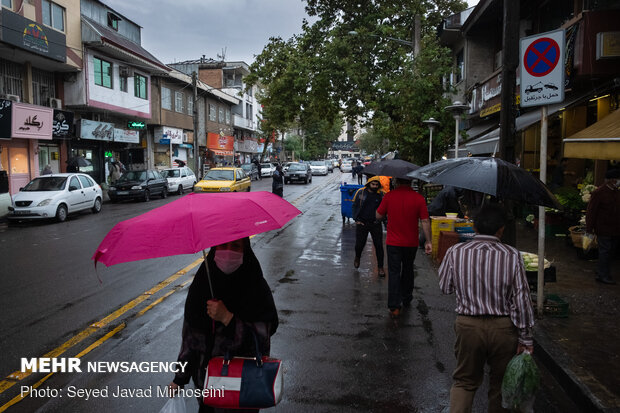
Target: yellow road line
16,376
87,350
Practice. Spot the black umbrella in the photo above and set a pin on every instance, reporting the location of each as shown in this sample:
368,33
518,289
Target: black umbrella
391,167
79,161
491,176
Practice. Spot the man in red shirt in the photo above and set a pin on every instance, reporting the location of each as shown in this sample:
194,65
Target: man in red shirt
404,208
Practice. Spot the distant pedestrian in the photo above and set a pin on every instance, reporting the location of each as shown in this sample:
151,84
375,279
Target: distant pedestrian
403,208
47,170
365,203
358,168
495,315
277,186
353,170
603,219
258,166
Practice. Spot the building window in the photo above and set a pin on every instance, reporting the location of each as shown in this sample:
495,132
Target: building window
139,86
178,101
123,83
53,15
228,116
7,3
212,113
113,21
221,115
11,75
103,72
190,105
460,67
166,98
42,87
248,111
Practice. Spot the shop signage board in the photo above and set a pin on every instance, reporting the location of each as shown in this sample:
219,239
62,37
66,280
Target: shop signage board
62,124
101,131
175,135
6,107
31,122
35,38
124,135
541,68
132,124
216,141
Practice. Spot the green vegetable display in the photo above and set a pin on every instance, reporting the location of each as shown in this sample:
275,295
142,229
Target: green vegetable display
520,384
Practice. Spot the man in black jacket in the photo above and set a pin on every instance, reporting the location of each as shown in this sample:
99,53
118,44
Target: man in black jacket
365,203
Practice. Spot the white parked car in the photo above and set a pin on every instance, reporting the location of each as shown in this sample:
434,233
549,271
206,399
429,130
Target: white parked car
346,166
318,168
267,169
56,196
179,179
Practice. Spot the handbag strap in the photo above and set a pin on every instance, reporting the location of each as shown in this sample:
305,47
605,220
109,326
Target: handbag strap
259,355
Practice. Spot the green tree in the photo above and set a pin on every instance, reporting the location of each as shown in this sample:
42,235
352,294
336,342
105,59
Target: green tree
326,74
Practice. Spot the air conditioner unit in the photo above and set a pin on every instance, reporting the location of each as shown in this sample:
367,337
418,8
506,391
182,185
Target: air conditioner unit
185,138
14,98
125,71
55,103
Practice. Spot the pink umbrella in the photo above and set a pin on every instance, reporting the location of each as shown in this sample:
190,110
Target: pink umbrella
194,223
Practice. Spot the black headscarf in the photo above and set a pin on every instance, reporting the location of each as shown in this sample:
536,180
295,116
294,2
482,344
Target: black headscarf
245,292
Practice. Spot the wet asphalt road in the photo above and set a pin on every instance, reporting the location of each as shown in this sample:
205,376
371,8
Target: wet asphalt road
341,351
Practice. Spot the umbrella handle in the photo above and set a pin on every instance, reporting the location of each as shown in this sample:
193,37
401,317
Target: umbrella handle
204,254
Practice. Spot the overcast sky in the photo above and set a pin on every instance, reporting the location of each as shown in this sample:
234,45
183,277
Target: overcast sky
178,30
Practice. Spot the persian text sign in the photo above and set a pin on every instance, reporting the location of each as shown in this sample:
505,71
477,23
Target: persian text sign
125,135
542,68
31,122
101,131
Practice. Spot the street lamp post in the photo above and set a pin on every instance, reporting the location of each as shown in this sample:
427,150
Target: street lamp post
432,124
457,109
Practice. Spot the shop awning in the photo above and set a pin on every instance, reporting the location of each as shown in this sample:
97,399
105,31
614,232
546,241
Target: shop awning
221,153
486,144
532,117
598,141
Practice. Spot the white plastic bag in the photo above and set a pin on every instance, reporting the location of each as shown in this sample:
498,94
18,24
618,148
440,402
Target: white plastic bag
174,405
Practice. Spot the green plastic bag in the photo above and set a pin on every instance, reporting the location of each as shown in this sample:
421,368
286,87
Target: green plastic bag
520,384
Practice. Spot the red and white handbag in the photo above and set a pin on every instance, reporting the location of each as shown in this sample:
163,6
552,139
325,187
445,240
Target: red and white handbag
243,382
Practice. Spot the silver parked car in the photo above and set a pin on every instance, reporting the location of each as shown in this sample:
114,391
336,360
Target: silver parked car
179,179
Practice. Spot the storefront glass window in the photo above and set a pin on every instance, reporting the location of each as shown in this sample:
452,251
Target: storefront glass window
4,158
18,161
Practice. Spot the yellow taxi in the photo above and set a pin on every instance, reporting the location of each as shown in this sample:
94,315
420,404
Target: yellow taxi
226,179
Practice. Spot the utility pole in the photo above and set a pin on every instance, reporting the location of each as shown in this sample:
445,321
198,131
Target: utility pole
510,62
195,115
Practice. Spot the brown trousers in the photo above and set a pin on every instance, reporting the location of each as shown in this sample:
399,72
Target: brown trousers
480,340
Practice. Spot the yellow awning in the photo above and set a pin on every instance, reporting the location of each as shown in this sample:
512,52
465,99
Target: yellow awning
598,141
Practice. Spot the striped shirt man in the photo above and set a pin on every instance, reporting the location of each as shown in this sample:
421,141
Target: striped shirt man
488,278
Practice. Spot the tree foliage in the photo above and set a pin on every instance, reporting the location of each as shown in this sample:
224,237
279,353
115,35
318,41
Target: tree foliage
323,76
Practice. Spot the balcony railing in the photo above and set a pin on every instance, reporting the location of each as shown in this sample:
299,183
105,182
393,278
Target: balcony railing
241,122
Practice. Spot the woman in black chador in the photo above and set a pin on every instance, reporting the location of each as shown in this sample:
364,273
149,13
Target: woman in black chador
241,304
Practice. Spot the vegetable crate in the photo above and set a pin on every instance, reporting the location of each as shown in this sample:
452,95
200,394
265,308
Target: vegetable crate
554,306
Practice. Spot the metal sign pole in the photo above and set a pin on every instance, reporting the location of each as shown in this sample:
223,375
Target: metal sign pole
540,297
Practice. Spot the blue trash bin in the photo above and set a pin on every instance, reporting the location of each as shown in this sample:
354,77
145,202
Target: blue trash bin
346,200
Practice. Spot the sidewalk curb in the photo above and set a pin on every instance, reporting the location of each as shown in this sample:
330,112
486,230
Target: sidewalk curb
578,383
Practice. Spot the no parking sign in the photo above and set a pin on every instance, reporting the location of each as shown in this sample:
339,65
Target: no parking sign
541,66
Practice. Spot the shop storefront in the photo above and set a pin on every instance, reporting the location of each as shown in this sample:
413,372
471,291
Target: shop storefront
102,142
220,149
247,149
170,147
19,148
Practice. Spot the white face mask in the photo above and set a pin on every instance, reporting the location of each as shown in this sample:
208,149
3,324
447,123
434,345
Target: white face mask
228,261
